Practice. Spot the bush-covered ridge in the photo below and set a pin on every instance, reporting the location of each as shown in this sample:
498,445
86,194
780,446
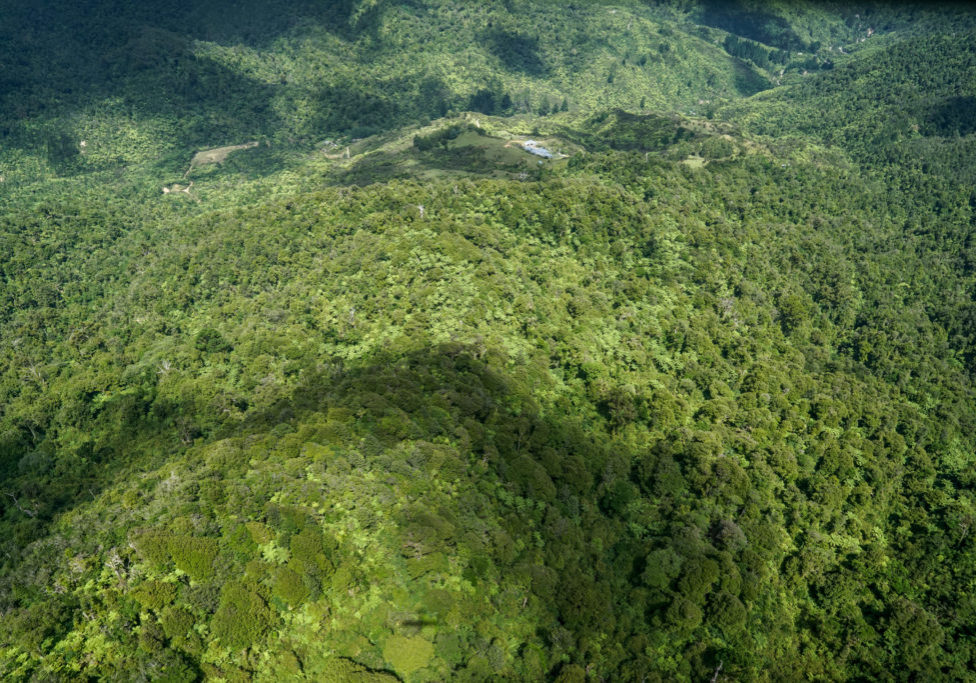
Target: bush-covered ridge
531,399
695,402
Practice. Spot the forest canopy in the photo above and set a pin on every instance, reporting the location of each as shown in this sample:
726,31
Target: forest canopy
381,393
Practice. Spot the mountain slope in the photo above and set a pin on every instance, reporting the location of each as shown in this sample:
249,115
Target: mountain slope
638,407
692,400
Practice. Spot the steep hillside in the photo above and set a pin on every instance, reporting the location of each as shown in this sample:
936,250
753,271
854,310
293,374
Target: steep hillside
537,428
388,395
912,105
138,86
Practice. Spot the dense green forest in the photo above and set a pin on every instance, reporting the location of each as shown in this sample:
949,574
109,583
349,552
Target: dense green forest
516,340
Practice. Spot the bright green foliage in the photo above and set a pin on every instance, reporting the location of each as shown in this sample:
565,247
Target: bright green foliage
289,586
662,567
407,654
176,622
154,594
420,407
195,556
259,532
152,547
346,671
242,616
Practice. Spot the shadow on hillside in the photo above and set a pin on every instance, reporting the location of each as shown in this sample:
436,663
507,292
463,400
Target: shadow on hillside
153,78
517,53
952,117
764,27
621,130
482,429
430,393
747,81
97,25
63,62
564,474
425,394
365,109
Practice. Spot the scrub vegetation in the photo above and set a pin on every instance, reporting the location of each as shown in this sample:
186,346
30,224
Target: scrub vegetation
386,397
